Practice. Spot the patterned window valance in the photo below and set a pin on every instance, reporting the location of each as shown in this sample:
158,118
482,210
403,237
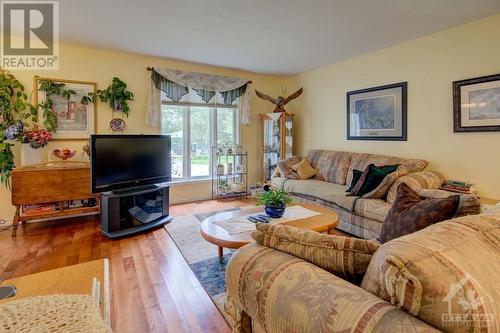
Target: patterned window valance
175,84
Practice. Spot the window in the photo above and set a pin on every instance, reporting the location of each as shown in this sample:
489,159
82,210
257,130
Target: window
195,129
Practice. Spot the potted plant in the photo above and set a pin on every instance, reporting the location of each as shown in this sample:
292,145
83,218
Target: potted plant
116,95
274,202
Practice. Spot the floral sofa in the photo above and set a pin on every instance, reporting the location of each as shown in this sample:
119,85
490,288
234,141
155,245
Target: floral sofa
363,216
436,279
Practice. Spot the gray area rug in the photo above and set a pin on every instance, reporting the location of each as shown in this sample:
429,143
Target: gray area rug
201,255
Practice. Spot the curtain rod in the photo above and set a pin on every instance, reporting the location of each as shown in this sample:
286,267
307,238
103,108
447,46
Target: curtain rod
152,68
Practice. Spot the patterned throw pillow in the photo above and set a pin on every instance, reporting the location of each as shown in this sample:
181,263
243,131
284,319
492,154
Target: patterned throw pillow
304,169
410,213
417,181
347,257
371,179
284,167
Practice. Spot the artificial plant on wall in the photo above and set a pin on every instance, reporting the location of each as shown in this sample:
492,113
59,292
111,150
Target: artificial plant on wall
116,95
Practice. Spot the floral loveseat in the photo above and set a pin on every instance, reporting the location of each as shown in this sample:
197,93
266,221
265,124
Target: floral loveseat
441,278
363,216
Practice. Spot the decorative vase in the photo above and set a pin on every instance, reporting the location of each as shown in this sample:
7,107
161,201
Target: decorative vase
30,155
63,153
230,168
116,105
275,211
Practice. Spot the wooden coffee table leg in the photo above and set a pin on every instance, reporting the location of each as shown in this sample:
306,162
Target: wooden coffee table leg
220,251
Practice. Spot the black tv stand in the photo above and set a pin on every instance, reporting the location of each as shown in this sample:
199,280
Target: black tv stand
121,211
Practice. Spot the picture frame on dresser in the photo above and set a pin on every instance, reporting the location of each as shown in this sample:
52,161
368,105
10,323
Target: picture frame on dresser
476,104
378,113
74,119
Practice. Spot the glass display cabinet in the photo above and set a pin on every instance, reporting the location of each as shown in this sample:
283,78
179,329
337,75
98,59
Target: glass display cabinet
277,140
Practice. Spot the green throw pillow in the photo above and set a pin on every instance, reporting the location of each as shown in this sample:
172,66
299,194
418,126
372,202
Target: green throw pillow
371,178
356,174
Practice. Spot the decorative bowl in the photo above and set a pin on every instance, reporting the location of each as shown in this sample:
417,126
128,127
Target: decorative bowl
63,153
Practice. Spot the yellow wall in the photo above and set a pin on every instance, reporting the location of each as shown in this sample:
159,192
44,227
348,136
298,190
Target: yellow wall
80,63
429,64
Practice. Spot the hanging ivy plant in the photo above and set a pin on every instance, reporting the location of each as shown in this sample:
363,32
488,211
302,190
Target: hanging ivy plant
15,114
51,88
116,95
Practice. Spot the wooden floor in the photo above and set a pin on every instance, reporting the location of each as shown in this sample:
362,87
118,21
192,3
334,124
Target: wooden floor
152,287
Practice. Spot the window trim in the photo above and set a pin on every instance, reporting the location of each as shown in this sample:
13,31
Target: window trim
186,136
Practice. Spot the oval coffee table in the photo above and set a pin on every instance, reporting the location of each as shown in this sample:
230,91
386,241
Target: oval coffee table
326,221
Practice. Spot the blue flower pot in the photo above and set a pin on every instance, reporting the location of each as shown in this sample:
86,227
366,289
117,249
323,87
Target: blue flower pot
275,211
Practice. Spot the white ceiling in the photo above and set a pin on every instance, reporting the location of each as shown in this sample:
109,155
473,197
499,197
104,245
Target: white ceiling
269,36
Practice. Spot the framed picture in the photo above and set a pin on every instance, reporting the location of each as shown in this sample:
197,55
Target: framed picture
476,104
377,113
74,120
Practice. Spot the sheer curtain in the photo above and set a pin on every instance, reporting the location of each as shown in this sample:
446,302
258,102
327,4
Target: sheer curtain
176,84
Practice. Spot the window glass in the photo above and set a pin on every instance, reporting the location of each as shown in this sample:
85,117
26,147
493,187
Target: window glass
200,141
172,123
226,125
195,129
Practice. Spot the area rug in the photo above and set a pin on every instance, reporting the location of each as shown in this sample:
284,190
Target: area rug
201,255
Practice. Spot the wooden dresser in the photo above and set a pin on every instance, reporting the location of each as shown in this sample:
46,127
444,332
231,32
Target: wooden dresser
57,183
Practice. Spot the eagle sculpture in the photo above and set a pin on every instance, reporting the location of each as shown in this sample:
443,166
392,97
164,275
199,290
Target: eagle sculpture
279,101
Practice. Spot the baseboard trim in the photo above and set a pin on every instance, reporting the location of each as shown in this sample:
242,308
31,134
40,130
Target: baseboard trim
179,202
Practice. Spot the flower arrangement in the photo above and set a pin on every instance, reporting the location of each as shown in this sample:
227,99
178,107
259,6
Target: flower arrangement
36,138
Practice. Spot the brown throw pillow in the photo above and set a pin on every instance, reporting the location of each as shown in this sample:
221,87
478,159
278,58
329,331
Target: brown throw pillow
347,257
304,169
410,213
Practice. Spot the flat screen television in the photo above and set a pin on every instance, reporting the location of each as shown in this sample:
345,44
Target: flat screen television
127,161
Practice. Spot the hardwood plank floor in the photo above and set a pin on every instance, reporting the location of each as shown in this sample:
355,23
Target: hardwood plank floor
152,287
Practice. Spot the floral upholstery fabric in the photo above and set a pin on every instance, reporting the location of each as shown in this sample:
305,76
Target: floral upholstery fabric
332,165
285,294
314,188
361,161
374,209
361,226
448,271
348,222
346,257
417,181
